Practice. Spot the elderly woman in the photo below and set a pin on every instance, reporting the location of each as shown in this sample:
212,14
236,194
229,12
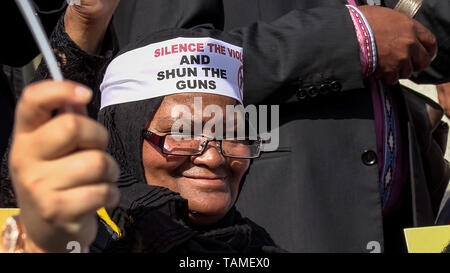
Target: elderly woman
178,183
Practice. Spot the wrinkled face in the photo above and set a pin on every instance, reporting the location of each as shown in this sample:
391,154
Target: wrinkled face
210,181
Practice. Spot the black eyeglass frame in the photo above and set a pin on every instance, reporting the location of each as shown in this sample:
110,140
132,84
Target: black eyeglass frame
159,140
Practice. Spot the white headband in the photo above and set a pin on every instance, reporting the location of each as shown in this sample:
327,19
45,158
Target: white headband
174,66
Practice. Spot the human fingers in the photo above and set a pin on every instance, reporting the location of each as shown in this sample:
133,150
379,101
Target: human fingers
420,57
405,69
388,77
427,39
75,203
81,168
66,133
39,100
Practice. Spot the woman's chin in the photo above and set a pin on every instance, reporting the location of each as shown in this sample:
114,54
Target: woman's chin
208,201
204,220
208,213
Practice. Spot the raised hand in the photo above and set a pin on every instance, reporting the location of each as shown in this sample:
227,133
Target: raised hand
404,45
60,171
87,23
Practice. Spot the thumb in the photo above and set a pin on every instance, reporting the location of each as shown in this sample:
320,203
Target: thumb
39,100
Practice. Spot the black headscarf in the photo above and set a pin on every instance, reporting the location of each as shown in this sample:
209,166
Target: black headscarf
155,219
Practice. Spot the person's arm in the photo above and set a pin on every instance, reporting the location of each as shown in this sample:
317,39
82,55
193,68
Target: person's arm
434,14
87,23
318,48
84,43
308,47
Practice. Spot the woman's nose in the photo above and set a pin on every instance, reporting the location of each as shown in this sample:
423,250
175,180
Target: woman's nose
211,157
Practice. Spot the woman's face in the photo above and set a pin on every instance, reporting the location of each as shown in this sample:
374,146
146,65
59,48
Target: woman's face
210,181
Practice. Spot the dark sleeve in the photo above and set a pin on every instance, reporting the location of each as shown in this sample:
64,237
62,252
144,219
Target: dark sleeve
314,47
18,47
77,65
435,15
300,47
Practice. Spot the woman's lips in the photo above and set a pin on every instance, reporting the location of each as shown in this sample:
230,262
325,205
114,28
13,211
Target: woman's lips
207,181
205,177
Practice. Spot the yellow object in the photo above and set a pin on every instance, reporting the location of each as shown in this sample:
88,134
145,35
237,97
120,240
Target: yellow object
5,214
102,213
427,239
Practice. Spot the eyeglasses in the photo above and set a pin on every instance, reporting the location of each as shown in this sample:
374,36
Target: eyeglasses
188,145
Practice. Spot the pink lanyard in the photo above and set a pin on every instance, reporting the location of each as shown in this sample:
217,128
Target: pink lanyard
352,2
